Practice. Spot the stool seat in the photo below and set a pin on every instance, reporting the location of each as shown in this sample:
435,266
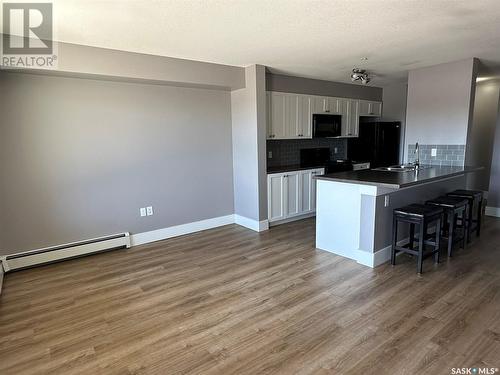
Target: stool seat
455,208
475,211
418,210
448,202
466,193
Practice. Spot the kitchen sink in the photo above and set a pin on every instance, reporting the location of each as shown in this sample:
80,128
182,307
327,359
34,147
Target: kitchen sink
400,168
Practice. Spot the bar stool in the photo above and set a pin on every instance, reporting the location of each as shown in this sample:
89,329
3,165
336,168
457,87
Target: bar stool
475,198
454,209
423,216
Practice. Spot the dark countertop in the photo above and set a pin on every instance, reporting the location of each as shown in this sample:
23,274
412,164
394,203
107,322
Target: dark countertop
289,168
397,180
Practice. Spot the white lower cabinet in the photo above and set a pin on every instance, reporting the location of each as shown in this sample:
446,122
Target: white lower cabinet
276,196
291,194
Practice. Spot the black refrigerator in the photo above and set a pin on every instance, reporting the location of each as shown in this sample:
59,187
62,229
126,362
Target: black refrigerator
378,143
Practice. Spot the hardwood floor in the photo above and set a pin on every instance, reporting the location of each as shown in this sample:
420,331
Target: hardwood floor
232,301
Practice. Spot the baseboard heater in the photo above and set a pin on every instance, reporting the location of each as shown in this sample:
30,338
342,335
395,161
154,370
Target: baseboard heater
67,251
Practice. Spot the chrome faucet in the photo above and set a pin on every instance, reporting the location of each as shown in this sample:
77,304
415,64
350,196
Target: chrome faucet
417,156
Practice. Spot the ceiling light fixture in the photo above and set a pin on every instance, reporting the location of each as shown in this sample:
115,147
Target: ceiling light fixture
360,75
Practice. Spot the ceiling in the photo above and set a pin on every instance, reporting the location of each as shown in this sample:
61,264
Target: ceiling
321,39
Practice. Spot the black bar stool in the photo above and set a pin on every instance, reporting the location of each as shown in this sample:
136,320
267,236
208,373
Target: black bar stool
423,216
455,209
475,198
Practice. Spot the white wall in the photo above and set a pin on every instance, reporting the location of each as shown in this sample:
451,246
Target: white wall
481,136
494,188
439,103
248,108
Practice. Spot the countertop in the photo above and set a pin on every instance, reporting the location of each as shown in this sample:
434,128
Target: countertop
289,168
397,180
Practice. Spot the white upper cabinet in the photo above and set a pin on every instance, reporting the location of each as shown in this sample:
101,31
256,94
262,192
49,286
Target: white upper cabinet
334,105
370,108
350,118
318,104
289,116
276,128
292,116
304,125
327,105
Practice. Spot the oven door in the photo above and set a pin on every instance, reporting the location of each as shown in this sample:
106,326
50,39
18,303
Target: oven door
327,126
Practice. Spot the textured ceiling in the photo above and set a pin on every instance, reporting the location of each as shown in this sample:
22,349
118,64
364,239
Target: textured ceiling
316,38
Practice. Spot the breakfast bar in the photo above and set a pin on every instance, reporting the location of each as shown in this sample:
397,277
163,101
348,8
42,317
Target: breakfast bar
354,209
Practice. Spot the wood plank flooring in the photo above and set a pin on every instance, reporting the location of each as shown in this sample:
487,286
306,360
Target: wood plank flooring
232,301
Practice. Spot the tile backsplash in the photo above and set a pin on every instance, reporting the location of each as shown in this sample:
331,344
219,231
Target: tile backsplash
287,151
446,155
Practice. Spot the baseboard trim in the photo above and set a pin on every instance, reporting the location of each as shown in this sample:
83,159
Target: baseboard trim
294,218
179,230
493,211
377,258
255,225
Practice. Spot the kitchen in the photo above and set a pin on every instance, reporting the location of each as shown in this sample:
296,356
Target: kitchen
314,134
312,139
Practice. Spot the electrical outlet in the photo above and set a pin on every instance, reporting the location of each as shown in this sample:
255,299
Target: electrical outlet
149,210
386,201
143,211
270,155
434,151
335,150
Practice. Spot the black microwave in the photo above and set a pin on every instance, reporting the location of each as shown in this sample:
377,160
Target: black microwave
327,126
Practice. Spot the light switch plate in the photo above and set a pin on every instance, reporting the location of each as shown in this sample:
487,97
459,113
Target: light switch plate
434,151
149,210
143,211
270,155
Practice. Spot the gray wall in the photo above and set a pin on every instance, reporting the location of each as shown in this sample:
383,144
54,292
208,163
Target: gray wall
299,85
494,188
394,107
439,103
79,157
481,136
249,141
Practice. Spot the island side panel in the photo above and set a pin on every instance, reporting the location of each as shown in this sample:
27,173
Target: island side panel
367,229
400,198
338,217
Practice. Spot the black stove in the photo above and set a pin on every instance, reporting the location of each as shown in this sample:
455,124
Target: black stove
320,157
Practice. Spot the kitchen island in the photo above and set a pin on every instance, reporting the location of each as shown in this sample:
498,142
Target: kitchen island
354,209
